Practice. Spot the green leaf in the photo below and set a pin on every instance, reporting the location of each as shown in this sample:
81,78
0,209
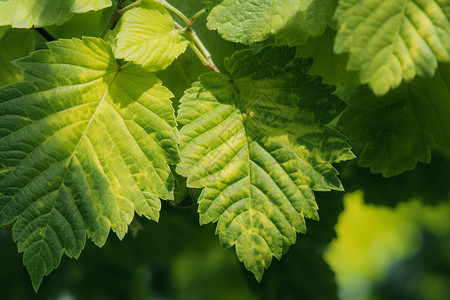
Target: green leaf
401,127
258,142
148,37
391,41
249,21
427,183
83,152
330,66
311,22
14,44
303,268
40,13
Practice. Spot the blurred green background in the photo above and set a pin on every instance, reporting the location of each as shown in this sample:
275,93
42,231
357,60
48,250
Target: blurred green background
382,239
400,251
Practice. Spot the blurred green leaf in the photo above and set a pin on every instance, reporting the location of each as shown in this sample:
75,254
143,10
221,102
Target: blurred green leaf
326,63
311,22
429,183
403,126
395,40
14,44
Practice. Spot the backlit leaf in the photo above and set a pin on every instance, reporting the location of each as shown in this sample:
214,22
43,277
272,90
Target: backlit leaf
249,21
40,13
258,143
148,37
391,41
84,144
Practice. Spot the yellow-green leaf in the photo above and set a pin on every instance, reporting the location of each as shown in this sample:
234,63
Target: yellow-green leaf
40,13
257,141
395,40
147,36
84,144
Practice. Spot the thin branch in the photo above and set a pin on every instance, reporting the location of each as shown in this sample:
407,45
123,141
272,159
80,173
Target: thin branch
198,14
199,54
116,16
196,44
204,50
45,34
175,10
130,6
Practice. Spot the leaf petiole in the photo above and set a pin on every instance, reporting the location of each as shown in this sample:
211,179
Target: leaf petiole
196,44
175,10
198,14
204,50
45,34
130,6
120,10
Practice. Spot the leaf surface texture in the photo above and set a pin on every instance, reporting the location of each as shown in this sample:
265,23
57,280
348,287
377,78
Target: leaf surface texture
79,152
392,41
258,143
248,21
40,13
148,37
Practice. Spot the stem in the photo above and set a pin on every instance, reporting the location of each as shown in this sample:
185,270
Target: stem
194,41
199,54
198,14
120,10
175,10
178,26
204,50
130,6
45,34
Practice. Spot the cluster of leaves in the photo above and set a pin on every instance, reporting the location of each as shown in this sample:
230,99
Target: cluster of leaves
88,136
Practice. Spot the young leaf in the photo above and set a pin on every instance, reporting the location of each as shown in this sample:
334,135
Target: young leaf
391,41
257,141
401,127
250,21
40,13
14,43
83,145
147,37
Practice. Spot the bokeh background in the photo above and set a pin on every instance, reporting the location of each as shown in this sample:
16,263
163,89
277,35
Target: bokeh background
384,238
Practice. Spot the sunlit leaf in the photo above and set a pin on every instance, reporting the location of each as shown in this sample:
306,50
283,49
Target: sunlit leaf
391,41
257,141
251,21
148,37
40,13
82,153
